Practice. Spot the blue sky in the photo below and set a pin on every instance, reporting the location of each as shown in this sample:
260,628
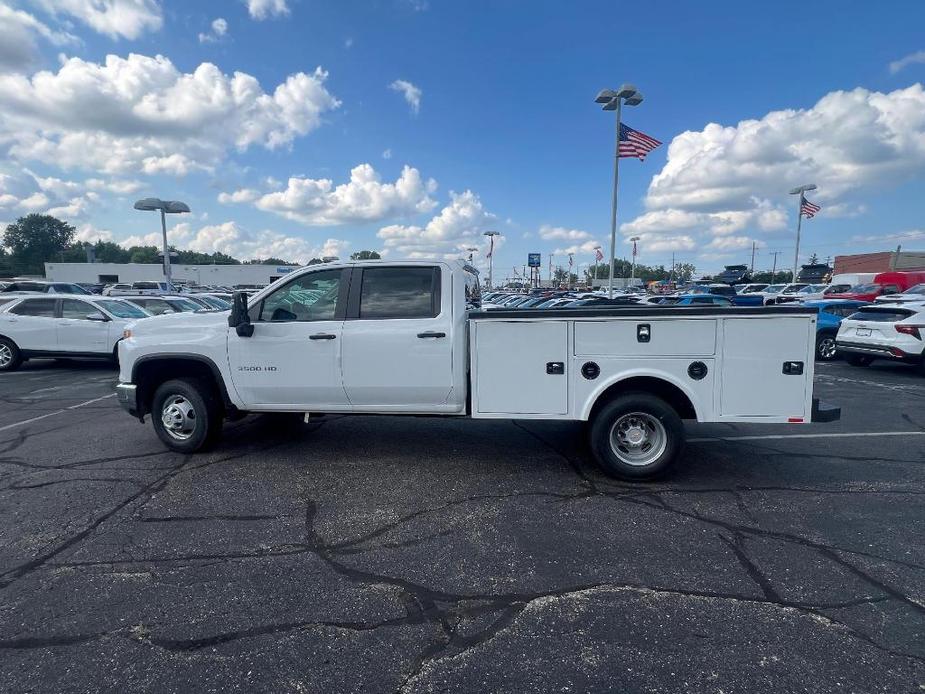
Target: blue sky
412,126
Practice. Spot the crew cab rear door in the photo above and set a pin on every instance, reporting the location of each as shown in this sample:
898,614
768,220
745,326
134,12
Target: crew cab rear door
293,359
398,339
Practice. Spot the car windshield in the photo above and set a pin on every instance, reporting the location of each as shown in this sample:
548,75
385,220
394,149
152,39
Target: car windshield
864,288
917,289
184,304
774,288
121,309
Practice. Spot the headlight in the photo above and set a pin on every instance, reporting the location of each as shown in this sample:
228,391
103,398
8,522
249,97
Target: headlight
126,334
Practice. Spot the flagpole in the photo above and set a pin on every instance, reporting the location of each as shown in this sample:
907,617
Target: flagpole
796,254
613,207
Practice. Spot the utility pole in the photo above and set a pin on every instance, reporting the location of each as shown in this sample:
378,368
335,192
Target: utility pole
774,268
753,257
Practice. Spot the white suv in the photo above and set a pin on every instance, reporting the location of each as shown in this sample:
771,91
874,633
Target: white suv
883,331
36,326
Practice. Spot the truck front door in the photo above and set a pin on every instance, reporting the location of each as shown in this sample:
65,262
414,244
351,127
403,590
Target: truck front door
293,359
398,339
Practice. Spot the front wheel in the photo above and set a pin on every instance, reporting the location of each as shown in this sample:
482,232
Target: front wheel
637,436
187,415
825,347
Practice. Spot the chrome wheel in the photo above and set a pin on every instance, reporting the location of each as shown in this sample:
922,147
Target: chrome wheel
6,355
178,417
826,348
638,438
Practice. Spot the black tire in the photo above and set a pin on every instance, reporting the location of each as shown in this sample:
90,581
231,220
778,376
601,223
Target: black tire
10,356
196,411
825,347
859,359
648,416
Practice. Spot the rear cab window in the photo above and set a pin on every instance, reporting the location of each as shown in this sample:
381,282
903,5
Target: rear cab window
400,292
880,315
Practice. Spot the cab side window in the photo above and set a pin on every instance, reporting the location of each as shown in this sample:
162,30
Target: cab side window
400,292
44,308
311,297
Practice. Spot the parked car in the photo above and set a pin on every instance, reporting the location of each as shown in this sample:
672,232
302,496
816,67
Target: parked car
752,288
789,293
33,326
159,305
769,293
696,300
831,313
811,292
733,274
913,293
39,286
209,302
884,283
883,331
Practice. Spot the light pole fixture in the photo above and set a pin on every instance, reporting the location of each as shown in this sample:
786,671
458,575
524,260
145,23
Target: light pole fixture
612,100
166,207
796,254
471,253
633,240
491,251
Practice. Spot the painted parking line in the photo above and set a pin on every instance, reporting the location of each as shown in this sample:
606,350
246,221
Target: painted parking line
768,437
56,412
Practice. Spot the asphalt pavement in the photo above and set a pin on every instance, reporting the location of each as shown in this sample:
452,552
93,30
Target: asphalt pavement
386,554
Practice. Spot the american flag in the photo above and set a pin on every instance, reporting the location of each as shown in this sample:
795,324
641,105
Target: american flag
570,260
808,209
634,143
598,256
634,249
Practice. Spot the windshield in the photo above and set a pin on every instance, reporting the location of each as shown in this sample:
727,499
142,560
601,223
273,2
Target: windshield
774,288
121,309
864,288
184,304
917,289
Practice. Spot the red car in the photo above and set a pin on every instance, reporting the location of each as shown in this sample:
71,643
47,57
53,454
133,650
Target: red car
884,283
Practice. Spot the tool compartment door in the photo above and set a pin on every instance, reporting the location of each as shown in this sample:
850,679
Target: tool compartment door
520,367
767,367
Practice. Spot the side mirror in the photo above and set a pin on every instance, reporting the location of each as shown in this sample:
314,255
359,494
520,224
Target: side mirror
97,316
240,319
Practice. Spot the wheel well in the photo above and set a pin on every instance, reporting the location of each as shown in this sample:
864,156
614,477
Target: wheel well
668,392
149,374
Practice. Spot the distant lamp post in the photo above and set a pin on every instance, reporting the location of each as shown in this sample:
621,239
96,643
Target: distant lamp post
471,253
598,252
612,100
796,254
166,207
491,251
633,240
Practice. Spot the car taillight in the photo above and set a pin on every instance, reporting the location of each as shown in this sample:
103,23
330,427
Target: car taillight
910,330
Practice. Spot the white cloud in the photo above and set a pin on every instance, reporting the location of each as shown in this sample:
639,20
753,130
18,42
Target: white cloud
115,18
365,198
912,59
140,113
411,93
733,243
897,237
239,196
265,9
387,154
232,239
728,180
24,191
457,226
18,32
585,248
87,233
550,233
219,29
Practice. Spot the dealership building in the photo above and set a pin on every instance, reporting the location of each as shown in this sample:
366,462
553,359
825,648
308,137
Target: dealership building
886,261
222,275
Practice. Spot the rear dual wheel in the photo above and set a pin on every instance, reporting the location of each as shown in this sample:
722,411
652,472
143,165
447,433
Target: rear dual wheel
637,436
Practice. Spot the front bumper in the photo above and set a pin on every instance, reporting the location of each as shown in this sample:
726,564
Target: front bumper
127,395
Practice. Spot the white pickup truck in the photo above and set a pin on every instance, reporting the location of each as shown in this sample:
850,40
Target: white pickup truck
402,338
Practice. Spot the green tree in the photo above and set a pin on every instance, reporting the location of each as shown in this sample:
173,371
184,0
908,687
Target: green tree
271,261
144,254
365,255
34,239
315,261
813,259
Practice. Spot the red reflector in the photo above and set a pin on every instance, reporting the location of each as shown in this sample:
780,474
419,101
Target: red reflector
794,420
896,352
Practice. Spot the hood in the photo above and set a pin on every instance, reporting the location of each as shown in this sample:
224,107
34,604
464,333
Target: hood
183,321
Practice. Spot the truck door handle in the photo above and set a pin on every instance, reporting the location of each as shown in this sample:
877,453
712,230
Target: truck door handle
322,336
431,334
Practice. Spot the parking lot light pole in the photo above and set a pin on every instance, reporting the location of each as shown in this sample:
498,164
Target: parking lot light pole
491,251
166,207
796,254
633,241
471,253
612,100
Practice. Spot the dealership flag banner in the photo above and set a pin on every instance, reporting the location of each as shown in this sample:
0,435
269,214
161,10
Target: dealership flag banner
808,209
634,143
598,256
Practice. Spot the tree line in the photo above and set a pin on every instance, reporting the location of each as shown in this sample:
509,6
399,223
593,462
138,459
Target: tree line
36,239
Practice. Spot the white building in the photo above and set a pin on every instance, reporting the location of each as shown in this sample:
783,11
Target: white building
224,275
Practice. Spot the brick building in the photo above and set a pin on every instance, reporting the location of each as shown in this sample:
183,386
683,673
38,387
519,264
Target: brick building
880,262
